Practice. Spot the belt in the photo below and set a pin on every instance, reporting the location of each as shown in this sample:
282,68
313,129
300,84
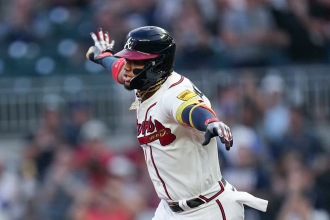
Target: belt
192,203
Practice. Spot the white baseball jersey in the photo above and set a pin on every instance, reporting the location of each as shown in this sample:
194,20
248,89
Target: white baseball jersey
179,166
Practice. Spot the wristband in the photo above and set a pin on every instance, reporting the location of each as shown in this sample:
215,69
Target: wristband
210,120
105,54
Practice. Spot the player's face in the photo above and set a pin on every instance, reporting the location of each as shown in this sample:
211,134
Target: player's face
129,66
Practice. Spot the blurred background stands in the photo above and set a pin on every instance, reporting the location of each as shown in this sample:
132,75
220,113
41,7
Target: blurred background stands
68,142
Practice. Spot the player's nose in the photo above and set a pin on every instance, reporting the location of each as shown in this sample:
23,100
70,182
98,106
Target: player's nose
127,67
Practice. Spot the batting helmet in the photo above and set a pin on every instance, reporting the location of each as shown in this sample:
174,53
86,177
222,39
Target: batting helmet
153,44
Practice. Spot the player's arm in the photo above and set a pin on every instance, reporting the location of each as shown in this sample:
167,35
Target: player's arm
115,67
102,53
197,115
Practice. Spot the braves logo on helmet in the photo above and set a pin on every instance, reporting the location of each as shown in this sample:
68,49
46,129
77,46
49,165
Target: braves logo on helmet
129,43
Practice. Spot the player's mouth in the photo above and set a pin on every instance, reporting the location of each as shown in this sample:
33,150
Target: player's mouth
127,78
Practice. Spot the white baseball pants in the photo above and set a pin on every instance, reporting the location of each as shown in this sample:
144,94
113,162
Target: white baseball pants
226,206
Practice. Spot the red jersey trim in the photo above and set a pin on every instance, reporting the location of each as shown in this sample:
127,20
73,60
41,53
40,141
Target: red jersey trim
204,106
145,117
222,210
218,193
152,159
174,84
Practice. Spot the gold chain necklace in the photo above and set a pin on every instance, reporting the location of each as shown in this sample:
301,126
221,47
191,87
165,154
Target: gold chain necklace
142,94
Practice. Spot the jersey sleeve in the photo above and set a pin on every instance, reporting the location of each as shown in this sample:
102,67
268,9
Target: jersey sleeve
197,116
177,99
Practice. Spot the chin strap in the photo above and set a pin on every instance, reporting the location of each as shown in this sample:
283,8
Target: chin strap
149,75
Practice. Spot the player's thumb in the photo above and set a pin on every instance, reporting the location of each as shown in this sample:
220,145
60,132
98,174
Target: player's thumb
208,137
90,54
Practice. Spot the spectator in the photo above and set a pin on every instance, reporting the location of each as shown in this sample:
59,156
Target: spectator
44,141
19,20
99,206
245,171
244,162
12,196
79,116
139,13
124,183
249,34
252,105
299,137
307,45
110,16
60,187
165,13
322,126
300,201
193,38
228,104
142,177
322,182
276,112
94,154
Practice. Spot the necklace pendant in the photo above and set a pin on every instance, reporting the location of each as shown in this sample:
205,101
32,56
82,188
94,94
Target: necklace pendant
134,105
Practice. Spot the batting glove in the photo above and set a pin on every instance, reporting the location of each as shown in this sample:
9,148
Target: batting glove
218,128
102,47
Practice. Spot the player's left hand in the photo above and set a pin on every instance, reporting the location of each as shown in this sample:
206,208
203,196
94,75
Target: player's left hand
218,128
102,47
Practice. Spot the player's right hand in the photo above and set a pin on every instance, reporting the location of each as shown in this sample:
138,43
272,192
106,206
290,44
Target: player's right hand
218,128
102,47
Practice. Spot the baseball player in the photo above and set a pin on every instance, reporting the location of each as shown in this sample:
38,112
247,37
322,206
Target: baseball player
175,128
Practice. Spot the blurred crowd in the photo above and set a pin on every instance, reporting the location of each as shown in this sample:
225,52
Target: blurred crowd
281,150
68,170
52,36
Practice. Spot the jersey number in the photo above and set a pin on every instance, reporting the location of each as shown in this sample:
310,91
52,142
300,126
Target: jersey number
199,93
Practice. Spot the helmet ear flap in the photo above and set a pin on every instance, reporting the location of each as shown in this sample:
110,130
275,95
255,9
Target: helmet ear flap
149,75
158,63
